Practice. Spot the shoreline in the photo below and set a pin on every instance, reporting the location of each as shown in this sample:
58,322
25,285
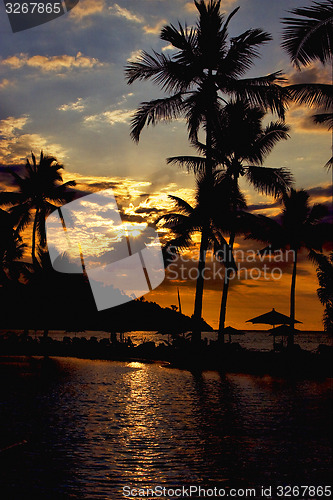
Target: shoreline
225,358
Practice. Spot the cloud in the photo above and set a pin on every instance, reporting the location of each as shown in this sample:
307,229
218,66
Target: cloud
86,8
51,63
118,11
4,83
321,191
134,55
168,47
78,105
110,117
10,125
15,147
314,73
154,30
301,120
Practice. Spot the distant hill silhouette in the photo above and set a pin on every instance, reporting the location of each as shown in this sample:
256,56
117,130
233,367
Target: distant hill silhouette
57,301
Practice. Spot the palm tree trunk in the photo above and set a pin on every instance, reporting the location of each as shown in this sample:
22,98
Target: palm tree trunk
34,234
223,309
196,332
292,302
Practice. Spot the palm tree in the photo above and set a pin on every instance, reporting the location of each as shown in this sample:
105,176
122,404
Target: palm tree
309,37
325,290
11,251
205,66
210,213
240,146
40,191
300,226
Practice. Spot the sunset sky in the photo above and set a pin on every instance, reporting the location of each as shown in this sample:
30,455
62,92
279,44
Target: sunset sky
62,89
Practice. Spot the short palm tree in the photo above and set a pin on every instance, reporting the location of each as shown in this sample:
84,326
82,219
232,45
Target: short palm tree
40,191
210,214
300,226
240,146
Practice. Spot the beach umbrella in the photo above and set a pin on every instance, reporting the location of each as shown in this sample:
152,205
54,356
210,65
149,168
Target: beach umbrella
273,318
229,330
282,330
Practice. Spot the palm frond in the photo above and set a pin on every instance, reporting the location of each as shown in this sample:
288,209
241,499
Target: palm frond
326,118
310,35
192,163
8,198
242,51
183,39
170,75
273,133
317,213
312,94
270,181
263,92
182,205
154,111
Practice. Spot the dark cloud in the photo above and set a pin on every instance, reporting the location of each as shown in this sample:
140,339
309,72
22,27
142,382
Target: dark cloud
319,191
146,210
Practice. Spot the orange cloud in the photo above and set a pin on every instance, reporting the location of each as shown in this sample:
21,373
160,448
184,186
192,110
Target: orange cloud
154,30
15,146
86,8
52,63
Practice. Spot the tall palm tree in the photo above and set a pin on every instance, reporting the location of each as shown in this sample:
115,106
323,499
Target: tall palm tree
211,213
300,226
239,147
40,191
206,67
325,290
309,37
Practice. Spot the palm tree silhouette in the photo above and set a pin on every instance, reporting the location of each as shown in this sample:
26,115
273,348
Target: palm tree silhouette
300,226
210,214
11,251
205,66
309,37
40,191
240,146
325,290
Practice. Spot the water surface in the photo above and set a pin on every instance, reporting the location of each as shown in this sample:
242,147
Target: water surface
92,427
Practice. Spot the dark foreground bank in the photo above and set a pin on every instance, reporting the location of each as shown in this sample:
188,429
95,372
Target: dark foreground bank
229,357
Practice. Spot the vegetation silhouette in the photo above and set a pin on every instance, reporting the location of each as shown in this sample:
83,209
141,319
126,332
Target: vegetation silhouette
239,147
325,290
308,37
299,226
209,217
40,191
206,66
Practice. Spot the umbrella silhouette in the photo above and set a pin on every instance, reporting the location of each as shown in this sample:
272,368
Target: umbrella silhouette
229,330
273,318
282,330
